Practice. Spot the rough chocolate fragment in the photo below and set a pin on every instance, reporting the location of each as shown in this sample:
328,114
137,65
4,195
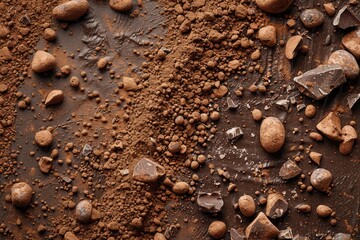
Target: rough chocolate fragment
352,99
261,228
319,82
283,104
330,126
292,46
148,171
234,133
276,206
210,202
231,104
285,234
289,170
346,19
236,235
45,164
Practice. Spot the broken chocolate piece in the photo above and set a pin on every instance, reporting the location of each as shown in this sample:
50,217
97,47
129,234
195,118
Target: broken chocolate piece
285,234
210,202
352,99
346,19
319,82
283,104
231,104
330,126
236,235
316,157
276,206
45,164
148,171
261,228
234,133
289,170
292,47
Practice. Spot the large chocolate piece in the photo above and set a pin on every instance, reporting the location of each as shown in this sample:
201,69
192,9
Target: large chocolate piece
148,171
319,82
210,202
346,19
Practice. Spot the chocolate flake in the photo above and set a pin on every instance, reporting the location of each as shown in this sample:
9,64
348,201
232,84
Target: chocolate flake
283,104
231,104
319,82
234,133
352,99
285,234
210,202
346,19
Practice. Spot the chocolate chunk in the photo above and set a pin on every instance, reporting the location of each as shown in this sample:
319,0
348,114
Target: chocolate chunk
234,133
261,228
210,202
289,170
276,205
316,157
285,234
346,19
342,236
352,99
283,104
231,104
148,171
45,164
292,46
330,126
236,235
170,232
351,42
319,82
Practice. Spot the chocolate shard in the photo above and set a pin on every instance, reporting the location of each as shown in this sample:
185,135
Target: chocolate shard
285,234
352,99
289,170
342,236
319,82
210,202
170,232
231,104
234,133
236,235
346,19
261,228
276,206
148,171
283,104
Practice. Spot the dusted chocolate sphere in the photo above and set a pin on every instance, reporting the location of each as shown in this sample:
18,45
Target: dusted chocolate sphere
321,179
21,194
